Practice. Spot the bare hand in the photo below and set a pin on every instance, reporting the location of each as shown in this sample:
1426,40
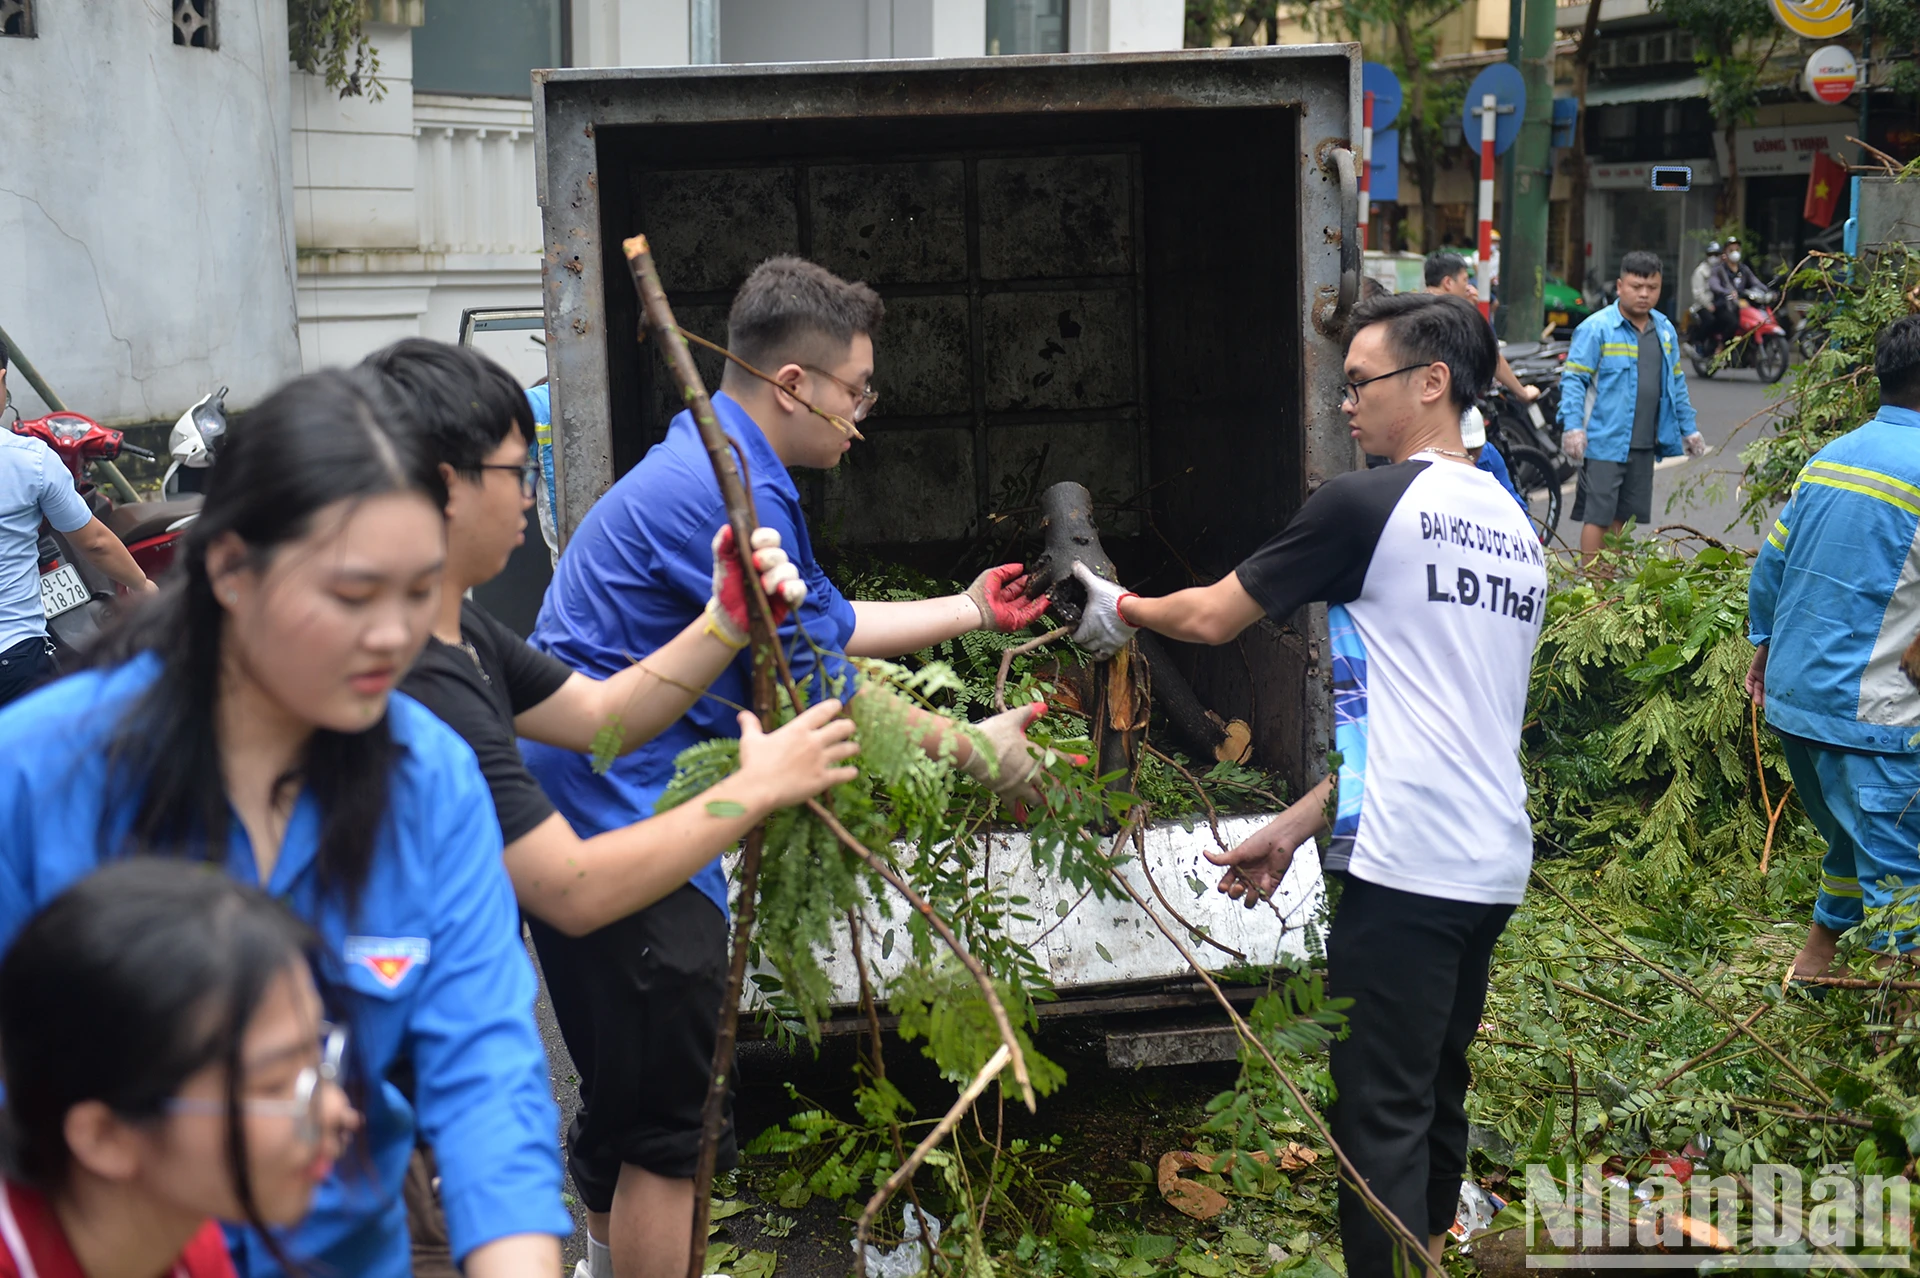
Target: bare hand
1757,677
1529,393
799,759
1257,865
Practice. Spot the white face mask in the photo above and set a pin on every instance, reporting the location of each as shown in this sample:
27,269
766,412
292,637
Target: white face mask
1734,257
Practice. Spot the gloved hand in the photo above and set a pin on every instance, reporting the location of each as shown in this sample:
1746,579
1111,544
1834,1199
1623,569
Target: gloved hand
1103,631
1574,444
1695,445
1008,771
1001,596
727,608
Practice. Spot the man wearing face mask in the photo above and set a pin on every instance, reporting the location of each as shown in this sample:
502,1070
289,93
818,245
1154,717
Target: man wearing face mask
1729,278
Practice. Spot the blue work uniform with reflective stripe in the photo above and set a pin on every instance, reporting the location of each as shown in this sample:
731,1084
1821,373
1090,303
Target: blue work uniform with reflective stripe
430,969
1605,355
1835,596
634,574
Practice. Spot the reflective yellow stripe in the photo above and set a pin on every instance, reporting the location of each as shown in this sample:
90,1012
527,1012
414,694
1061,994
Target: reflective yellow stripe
1863,473
1839,887
1864,491
1620,348
1572,367
1778,537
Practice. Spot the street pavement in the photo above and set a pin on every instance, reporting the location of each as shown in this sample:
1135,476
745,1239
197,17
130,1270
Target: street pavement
1732,408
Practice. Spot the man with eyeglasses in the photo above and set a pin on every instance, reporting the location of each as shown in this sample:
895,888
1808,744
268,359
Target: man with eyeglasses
639,1001
1436,586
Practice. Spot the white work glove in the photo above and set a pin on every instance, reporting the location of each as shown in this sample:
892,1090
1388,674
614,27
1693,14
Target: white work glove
1103,631
1008,771
1695,445
727,608
1574,444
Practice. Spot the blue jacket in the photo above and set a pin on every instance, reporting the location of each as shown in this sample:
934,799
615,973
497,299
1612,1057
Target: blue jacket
1835,593
1605,354
431,970
635,573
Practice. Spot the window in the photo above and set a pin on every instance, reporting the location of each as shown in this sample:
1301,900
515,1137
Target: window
16,17
488,47
193,23
1026,26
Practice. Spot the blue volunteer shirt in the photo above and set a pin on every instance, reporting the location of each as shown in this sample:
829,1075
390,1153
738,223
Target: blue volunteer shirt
636,572
430,968
33,485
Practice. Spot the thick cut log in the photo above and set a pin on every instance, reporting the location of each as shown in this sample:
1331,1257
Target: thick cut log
1200,729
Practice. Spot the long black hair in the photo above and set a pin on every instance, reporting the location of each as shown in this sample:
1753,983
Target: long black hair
122,988
318,440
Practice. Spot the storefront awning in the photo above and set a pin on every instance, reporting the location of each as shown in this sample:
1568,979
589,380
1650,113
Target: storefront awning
1647,91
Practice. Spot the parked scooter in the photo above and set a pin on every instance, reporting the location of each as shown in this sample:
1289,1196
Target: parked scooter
1761,343
195,441
1527,434
76,595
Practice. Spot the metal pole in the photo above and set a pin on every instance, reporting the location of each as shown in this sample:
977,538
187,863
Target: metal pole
1524,254
1489,118
20,361
1850,233
1366,166
703,22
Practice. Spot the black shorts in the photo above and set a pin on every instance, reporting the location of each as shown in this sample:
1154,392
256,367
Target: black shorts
1612,492
638,1004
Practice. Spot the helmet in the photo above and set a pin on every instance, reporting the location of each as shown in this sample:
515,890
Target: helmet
1713,248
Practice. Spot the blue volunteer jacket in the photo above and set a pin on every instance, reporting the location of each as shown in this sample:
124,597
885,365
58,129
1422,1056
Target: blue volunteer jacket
1835,593
430,969
1605,354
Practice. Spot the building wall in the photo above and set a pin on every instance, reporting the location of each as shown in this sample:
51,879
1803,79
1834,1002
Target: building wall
146,227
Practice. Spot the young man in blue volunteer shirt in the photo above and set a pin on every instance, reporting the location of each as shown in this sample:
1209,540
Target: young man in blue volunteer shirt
1629,354
1436,586
1831,606
487,684
35,486
638,1002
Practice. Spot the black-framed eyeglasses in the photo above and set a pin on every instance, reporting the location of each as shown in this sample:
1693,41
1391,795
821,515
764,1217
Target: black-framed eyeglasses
528,470
306,1104
863,399
1351,390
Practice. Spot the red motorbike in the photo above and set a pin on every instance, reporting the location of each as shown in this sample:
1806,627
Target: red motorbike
75,594
1761,343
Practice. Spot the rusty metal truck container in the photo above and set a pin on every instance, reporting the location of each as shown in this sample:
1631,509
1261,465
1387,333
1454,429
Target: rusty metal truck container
1126,270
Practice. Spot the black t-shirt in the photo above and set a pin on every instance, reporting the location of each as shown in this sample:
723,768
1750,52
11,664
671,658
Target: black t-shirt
477,690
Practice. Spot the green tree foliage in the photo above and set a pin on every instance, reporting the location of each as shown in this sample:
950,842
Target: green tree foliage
1734,41
1238,22
328,38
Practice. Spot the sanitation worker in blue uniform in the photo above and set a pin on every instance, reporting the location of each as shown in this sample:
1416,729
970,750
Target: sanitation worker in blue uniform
1833,603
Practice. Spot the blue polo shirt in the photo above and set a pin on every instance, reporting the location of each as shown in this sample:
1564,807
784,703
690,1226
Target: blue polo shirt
33,485
636,572
430,969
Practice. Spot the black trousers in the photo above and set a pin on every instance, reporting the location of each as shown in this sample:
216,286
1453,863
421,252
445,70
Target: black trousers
24,667
1416,969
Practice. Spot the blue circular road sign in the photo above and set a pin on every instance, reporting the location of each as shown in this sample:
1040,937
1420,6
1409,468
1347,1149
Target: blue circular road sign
1502,79
1379,80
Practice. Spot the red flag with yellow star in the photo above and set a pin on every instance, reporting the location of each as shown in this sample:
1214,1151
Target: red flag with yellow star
1823,189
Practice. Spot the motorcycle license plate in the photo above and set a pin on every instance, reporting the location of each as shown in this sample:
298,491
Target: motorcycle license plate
1557,318
62,590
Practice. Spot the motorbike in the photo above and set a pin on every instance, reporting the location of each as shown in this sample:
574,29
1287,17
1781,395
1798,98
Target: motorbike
1761,342
193,444
77,596
1527,433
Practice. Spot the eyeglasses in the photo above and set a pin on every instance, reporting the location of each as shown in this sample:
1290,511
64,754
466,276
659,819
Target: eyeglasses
529,472
1351,390
863,399
845,425
308,1098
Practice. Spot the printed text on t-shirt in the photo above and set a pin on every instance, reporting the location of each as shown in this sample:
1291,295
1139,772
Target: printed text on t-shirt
1472,535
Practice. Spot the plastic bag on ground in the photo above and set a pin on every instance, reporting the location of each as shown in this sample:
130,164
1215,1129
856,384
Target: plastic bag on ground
911,1257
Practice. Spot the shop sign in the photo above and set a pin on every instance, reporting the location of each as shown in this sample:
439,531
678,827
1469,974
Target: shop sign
1638,175
1832,74
1773,152
1814,19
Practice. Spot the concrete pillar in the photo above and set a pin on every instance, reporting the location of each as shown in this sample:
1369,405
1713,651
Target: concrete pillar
632,33
1120,26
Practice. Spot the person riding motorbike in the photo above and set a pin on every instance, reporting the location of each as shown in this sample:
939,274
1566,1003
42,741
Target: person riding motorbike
1728,282
1701,286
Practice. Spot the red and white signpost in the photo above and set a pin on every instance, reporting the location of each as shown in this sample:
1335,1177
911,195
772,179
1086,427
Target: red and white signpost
1366,164
1489,113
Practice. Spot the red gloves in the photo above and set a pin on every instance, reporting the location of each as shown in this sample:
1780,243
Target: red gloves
1001,596
727,609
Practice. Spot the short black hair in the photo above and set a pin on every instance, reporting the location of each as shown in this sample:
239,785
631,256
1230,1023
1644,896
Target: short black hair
1423,328
1371,288
792,311
1443,266
1640,262
460,401
1896,363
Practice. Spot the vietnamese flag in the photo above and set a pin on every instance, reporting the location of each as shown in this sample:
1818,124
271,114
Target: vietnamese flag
1823,189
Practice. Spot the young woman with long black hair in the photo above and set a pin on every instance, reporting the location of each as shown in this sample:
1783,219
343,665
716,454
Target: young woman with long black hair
247,717
168,1064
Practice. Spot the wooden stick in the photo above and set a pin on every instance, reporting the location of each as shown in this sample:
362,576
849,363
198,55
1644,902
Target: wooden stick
995,1063
740,517
1732,1034
1606,1003
1008,1042
1006,662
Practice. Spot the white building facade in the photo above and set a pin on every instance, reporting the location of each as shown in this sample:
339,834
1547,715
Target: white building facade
204,215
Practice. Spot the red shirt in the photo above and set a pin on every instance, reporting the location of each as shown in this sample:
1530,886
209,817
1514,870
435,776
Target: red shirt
32,1244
